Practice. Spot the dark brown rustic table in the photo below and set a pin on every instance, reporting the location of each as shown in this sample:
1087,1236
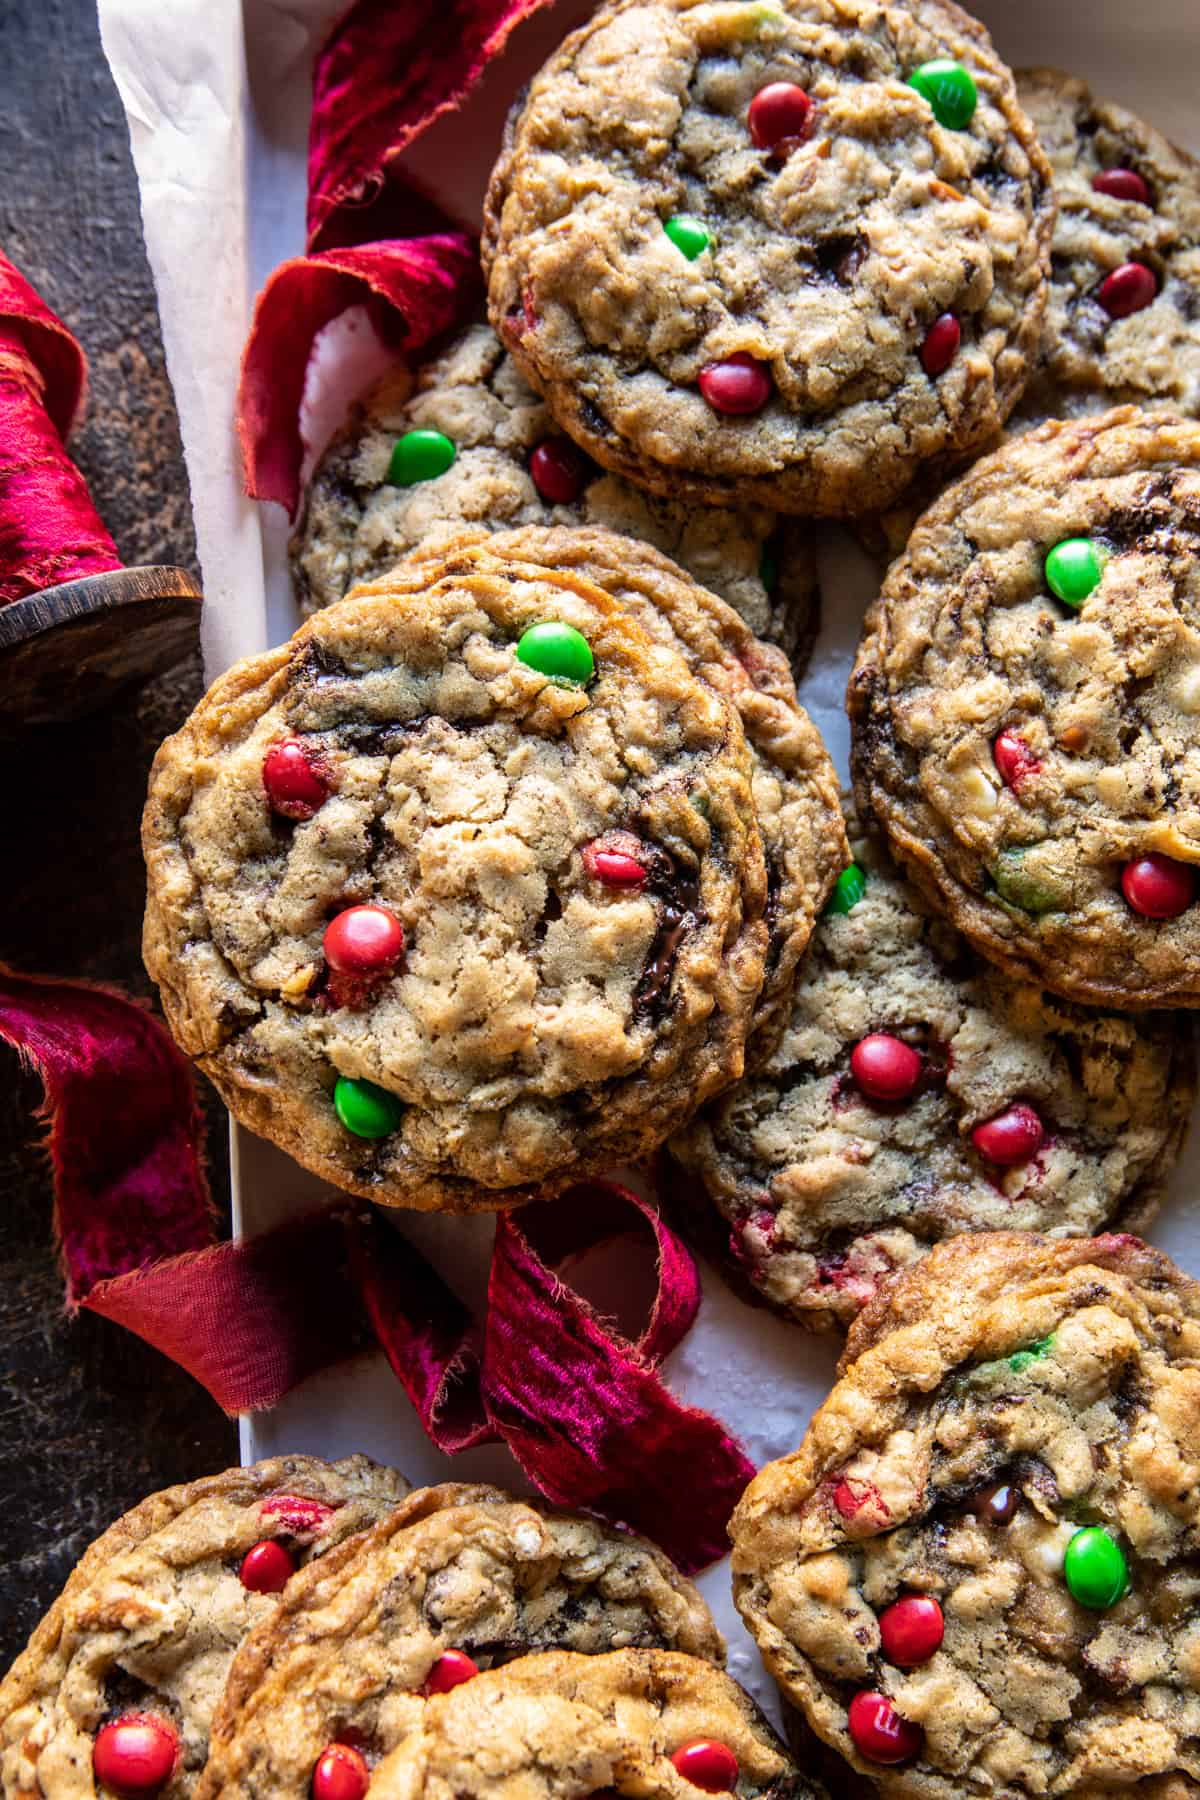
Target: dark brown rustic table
90,1419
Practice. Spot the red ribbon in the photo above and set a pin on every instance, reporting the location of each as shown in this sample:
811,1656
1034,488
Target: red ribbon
583,1410
388,69
49,529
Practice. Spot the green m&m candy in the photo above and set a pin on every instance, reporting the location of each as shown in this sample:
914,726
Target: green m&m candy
1020,887
1073,569
690,236
1021,1359
366,1110
949,89
558,651
1094,1569
848,890
420,456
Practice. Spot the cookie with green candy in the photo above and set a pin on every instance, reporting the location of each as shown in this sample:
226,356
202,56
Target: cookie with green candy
1025,708
465,442
976,1576
772,251
459,896
916,1092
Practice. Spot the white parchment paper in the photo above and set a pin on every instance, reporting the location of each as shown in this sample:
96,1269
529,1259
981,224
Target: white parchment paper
217,98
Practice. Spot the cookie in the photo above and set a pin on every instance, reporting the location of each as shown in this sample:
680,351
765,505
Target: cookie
131,1659
793,781
977,1574
774,251
385,487
459,895
1123,315
457,1579
554,1727
1026,708
917,1092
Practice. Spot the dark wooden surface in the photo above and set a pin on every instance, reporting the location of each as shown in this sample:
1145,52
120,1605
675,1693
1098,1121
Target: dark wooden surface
90,1420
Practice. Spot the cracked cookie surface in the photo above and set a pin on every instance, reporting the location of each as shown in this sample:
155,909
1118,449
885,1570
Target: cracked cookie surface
812,1191
998,1401
558,1727
830,259
1024,753
793,781
458,1568
1091,359
542,1020
357,522
153,1613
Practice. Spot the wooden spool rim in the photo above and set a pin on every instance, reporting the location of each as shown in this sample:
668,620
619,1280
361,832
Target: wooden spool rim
56,608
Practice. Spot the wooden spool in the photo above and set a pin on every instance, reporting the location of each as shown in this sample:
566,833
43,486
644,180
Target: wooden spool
73,647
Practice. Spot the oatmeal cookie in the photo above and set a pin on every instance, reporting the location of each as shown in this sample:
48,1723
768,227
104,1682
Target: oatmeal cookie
978,1573
645,1722
460,1578
131,1659
474,445
772,250
1123,315
459,895
1026,708
793,781
917,1092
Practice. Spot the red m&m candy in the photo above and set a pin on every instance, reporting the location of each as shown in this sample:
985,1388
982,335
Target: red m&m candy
1014,759
614,860
707,1764
879,1733
450,1670
884,1067
558,471
267,1567
296,779
940,345
298,1512
364,940
779,116
1122,184
911,1630
340,1773
737,385
1158,887
1127,290
1012,1137
135,1755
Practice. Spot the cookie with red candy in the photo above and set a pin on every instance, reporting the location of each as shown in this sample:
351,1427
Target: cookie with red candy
397,955
116,1691
917,1092
561,1726
782,253
504,462
1007,1607
1123,314
458,1580
1025,707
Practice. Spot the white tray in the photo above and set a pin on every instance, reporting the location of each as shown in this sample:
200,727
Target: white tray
218,107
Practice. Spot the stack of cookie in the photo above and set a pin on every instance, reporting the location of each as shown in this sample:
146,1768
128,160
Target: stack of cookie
301,1629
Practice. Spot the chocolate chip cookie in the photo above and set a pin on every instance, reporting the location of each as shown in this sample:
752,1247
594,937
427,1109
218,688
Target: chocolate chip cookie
554,1727
459,895
793,781
1123,316
125,1671
1026,708
456,1580
772,250
918,1092
977,1574
473,445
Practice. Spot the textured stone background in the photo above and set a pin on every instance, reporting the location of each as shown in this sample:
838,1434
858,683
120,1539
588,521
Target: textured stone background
90,1420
